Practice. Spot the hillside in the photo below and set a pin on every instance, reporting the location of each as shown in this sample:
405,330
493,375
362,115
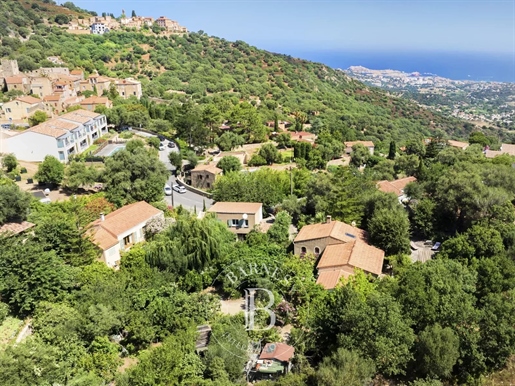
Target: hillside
209,69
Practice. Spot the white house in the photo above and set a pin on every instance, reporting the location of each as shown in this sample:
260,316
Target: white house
99,28
61,137
120,230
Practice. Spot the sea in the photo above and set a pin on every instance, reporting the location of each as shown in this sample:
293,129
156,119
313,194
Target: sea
452,65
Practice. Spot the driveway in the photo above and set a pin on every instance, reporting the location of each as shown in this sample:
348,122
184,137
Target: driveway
188,200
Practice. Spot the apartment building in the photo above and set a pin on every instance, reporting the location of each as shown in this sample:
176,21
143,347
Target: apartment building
69,134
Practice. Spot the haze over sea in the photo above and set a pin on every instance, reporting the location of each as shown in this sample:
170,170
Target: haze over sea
452,65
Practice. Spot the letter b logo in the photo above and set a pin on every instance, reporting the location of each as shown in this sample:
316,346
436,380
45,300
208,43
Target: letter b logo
250,309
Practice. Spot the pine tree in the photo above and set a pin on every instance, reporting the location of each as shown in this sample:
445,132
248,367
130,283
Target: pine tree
393,150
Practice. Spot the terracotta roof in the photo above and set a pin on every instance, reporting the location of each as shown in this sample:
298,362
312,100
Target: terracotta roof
127,81
301,134
94,100
506,148
236,207
335,229
49,130
103,79
336,255
458,144
14,79
76,72
75,117
279,351
105,233
28,99
329,279
207,168
364,143
52,98
396,186
16,227
86,113
356,254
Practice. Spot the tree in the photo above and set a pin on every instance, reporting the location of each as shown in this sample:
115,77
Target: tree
229,164
392,151
61,19
135,175
50,171
14,203
270,153
279,232
175,159
153,142
345,367
360,155
389,230
229,140
283,140
9,162
78,175
437,351
192,159
480,138
29,274
37,118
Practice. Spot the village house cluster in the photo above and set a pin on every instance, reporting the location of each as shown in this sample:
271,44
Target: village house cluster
100,25
54,89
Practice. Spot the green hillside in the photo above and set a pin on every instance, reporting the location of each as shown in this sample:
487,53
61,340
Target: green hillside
208,69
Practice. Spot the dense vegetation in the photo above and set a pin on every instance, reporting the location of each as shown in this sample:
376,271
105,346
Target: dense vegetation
214,75
447,320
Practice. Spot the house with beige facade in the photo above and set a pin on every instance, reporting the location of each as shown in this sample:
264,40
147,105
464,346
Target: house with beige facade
22,108
368,144
203,176
128,87
93,101
240,217
41,86
17,83
341,248
62,137
118,231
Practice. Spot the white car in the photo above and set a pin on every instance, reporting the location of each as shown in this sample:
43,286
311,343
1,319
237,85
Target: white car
168,190
178,188
161,148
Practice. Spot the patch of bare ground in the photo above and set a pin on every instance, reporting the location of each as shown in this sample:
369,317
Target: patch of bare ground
127,363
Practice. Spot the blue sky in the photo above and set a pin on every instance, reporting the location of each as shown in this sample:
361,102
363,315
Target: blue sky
332,25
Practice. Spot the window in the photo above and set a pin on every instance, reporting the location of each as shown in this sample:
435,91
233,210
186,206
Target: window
303,251
127,240
245,223
317,251
134,92
235,222
208,185
61,156
8,110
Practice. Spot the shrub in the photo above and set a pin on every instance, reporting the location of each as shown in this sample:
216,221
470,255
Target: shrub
257,160
100,141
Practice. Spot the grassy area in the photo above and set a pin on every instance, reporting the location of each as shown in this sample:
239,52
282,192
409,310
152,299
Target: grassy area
505,376
8,330
286,153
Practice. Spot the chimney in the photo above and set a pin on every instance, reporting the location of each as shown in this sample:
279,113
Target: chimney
102,217
328,219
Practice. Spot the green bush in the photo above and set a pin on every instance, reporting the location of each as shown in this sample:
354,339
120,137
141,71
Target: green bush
257,160
23,170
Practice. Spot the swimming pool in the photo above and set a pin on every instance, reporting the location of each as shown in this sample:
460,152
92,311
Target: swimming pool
116,150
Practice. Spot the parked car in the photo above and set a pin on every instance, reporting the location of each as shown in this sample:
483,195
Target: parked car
161,147
168,190
161,138
178,188
125,128
171,144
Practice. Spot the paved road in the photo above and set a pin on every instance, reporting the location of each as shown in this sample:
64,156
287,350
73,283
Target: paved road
188,200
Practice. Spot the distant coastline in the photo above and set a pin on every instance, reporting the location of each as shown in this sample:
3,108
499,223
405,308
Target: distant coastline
455,66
